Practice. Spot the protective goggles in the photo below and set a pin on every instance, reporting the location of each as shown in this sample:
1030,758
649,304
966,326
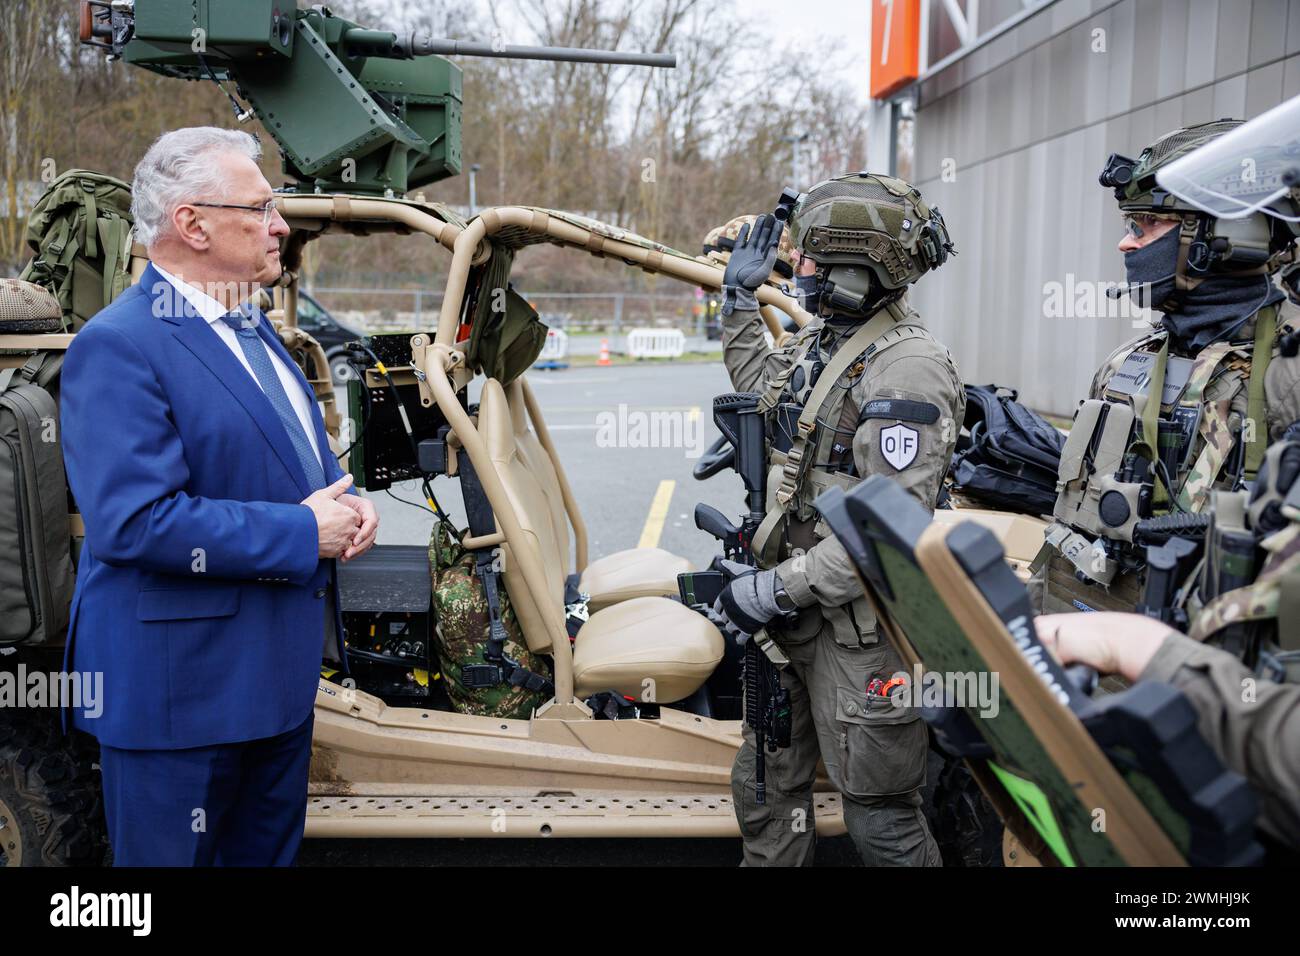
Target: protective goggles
1138,224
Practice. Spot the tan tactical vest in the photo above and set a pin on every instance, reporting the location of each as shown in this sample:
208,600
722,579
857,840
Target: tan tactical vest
1192,429
814,410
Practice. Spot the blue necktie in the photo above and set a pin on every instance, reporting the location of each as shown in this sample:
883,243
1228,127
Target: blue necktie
259,358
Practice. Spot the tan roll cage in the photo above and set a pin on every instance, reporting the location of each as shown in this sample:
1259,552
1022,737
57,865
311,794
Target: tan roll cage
438,361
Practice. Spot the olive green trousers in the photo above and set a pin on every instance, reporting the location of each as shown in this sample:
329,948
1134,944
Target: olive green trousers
875,756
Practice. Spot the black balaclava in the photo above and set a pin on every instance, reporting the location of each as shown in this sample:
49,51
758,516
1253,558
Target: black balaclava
1209,313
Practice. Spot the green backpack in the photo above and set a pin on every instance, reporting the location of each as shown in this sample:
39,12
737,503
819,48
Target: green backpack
507,334
79,231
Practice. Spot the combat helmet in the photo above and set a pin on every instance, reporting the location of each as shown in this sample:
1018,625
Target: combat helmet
871,236
721,240
711,241
1252,244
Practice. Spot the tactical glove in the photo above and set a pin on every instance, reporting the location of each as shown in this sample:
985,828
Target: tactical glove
747,602
751,263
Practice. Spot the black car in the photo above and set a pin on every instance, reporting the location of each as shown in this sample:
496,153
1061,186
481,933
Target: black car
329,332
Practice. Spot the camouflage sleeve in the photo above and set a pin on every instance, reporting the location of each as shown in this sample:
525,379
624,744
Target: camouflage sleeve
744,349
1251,723
913,409
1282,394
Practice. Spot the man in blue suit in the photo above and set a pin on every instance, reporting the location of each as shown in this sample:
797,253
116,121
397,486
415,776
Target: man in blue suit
214,513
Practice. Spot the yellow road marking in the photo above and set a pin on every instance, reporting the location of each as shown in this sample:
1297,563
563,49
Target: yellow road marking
695,414
654,521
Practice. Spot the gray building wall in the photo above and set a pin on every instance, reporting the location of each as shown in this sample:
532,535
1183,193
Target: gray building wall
1027,121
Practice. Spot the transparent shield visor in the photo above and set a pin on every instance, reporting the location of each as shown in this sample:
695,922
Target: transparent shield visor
1244,171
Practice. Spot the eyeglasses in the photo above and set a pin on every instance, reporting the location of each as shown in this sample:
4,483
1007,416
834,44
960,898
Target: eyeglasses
265,209
1137,224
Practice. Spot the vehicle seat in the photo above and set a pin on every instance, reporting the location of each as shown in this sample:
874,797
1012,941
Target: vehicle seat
623,647
634,573
621,576
620,646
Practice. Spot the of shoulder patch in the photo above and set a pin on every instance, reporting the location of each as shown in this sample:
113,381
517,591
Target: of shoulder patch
899,445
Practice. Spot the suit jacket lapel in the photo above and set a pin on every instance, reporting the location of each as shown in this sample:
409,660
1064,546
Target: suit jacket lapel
194,333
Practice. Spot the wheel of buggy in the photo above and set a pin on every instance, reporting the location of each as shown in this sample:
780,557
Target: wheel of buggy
340,370
11,838
51,805
963,822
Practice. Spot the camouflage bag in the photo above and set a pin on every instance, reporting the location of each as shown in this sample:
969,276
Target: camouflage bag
510,687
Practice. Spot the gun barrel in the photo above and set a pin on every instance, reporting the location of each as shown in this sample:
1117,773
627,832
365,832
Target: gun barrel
426,45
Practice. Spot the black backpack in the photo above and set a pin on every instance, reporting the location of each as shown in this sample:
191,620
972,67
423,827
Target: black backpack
1012,456
36,573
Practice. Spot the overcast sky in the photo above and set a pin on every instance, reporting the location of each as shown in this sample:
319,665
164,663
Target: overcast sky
817,24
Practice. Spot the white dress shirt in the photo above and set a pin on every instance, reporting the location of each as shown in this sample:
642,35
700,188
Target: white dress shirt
213,311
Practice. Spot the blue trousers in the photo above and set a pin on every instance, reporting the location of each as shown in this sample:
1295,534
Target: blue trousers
240,804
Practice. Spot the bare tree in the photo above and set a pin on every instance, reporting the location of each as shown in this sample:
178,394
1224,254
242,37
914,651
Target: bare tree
21,53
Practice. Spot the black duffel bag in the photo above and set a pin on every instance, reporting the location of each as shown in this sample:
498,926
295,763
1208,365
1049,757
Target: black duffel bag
1012,455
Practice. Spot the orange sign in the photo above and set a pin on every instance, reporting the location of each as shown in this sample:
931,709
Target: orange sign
895,44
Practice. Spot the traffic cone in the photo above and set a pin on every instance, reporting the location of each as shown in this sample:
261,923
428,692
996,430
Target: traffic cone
604,353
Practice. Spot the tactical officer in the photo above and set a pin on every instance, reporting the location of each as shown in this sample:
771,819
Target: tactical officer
1247,599
1253,725
1213,360
863,389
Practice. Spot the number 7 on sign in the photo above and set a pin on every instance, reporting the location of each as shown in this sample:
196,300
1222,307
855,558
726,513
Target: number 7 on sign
889,22
895,45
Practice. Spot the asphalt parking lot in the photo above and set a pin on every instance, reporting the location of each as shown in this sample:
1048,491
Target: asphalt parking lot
606,423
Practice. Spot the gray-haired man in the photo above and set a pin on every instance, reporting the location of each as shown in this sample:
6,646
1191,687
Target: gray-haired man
214,513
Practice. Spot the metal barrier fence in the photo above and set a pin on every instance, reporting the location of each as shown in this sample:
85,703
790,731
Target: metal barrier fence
556,346
656,343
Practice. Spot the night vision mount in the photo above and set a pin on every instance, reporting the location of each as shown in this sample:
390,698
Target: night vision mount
353,110
1117,173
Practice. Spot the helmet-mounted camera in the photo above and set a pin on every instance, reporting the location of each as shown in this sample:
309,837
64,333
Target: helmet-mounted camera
1118,173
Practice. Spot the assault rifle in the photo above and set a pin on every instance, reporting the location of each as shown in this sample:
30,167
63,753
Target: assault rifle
767,703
